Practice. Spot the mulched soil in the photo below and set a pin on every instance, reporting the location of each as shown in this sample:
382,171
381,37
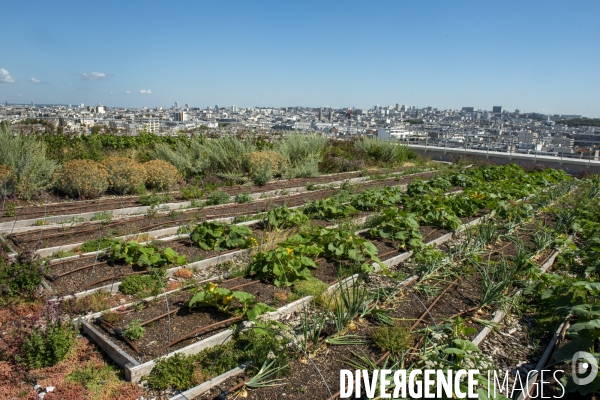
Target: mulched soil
50,237
185,320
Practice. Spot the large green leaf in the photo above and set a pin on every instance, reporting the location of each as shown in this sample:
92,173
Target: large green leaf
258,310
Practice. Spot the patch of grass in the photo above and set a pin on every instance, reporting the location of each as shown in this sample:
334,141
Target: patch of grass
396,339
191,193
314,186
63,254
97,244
245,218
141,285
175,372
310,287
95,302
155,199
112,317
101,380
217,198
243,198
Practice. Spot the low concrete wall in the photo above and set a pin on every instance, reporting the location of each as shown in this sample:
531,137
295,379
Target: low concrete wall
573,166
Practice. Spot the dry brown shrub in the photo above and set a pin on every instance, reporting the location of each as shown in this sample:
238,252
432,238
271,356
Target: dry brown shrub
124,174
184,273
161,175
259,159
85,179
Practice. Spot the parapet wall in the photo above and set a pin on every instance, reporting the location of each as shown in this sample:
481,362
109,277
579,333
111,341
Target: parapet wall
574,166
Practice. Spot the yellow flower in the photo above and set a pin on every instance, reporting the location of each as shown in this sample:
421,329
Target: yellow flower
290,251
211,286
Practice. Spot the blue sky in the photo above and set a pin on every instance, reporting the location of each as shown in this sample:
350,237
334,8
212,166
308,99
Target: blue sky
536,55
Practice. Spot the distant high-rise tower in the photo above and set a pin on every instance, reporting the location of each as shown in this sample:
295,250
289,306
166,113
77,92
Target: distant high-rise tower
320,114
32,105
497,109
331,114
233,108
180,116
398,106
176,105
217,108
187,105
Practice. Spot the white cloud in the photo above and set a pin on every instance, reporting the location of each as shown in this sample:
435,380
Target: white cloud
111,93
128,92
94,76
145,91
36,81
5,76
19,95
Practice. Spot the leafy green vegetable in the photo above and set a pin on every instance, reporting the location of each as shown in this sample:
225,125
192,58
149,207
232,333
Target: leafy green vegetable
399,226
288,263
222,236
284,217
145,255
329,209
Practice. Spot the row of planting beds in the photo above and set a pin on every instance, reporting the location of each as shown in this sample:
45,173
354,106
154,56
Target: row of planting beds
388,276
305,245
214,242
457,291
55,237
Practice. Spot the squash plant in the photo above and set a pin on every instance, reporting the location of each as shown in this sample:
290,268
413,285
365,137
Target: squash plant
329,209
376,199
431,211
284,217
462,180
145,255
287,263
211,295
464,205
222,236
343,244
399,226
437,184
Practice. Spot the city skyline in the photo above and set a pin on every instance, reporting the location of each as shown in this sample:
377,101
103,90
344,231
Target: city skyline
538,59
183,106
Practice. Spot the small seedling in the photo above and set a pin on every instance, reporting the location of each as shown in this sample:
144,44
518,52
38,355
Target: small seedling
134,330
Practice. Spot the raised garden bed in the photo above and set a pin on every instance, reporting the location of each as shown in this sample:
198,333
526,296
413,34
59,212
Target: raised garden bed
63,236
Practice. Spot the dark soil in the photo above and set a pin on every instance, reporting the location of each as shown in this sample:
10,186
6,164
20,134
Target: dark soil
184,321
